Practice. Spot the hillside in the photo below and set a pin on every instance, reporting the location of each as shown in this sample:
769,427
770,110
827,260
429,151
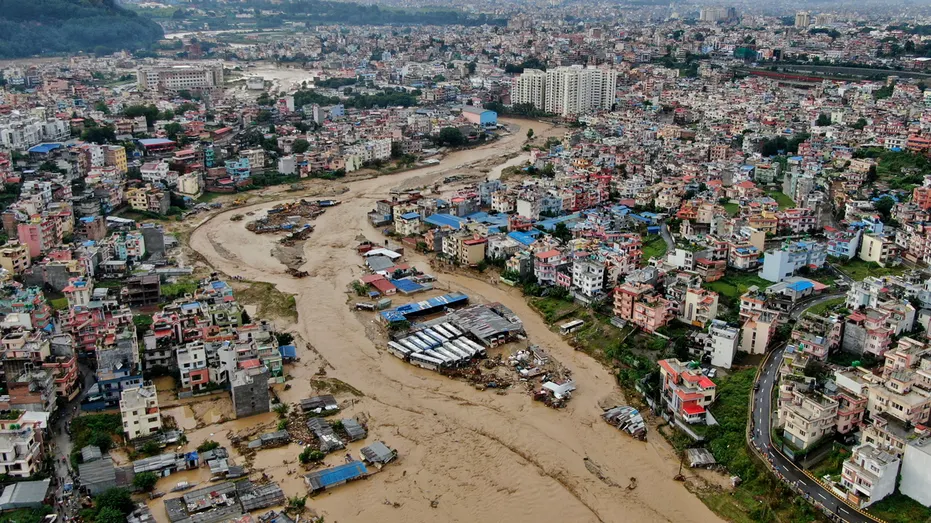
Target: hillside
35,27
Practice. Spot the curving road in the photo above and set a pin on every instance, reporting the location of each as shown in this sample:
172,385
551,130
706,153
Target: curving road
762,409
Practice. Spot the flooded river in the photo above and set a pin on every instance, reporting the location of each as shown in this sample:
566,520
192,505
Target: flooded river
465,455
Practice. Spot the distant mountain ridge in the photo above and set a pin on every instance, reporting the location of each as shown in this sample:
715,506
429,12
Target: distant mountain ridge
38,27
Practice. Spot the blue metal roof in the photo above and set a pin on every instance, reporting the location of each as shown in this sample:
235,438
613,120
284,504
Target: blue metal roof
44,148
801,285
401,312
444,220
523,237
342,473
550,223
410,216
155,141
287,351
406,285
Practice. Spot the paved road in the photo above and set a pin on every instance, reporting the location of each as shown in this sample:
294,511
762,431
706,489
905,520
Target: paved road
670,244
61,446
762,414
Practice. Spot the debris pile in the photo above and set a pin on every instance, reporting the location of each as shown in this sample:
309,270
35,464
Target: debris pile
627,419
287,217
550,382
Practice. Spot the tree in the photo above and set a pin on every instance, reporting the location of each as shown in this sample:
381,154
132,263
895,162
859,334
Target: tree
99,135
562,232
117,499
102,440
208,445
145,481
184,93
451,136
150,448
173,129
111,515
300,146
102,107
884,206
149,111
530,134
823,120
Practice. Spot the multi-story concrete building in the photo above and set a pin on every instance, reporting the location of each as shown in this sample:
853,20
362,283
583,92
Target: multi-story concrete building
588,278
14,257
20,446
916,470
878,248
807,418
192,364
579,90
757,331
140,412
686,392
778,264
869,475
529,88
722,343
701,307
180,77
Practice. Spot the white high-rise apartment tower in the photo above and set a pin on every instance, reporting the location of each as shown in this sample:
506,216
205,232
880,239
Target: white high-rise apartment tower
529,87
579,90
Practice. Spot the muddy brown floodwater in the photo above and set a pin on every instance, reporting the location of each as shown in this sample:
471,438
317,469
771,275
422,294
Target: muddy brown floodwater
481,456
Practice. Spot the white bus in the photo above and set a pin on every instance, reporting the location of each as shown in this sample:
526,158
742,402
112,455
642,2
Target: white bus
436,355
476,346
456,350
396,349
462,347
442,330
451,356
410,346
453,330
436,335
417,342
571,326
425,362
426,339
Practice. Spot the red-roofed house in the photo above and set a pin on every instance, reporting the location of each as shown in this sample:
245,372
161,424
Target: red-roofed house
687,392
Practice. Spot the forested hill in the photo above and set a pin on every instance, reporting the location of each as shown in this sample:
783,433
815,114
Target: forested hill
35,27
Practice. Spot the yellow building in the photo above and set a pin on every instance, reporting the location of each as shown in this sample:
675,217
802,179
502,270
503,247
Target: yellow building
115,156
14,257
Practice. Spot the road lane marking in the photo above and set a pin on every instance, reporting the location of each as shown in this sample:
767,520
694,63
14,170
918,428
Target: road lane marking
842,509
822,496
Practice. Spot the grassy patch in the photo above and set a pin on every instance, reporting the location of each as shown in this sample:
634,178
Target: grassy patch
183,286
655,247
782,199
832,464
58,304
270,301
899,508
858,269
731,208
553,309
208,197
828,306
334,386
734,284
